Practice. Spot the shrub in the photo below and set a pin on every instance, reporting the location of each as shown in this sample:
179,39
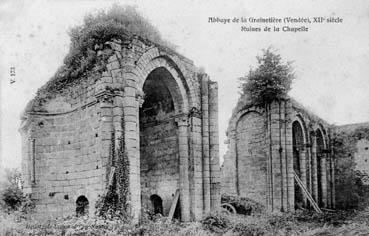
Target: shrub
271,79
117,24
216,222
11,194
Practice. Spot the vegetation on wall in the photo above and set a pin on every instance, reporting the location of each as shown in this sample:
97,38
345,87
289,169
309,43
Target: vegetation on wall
83,60
115,203
122,174
271,80
351,192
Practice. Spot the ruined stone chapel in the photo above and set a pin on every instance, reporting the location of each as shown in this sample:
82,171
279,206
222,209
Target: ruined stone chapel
152,106
159,102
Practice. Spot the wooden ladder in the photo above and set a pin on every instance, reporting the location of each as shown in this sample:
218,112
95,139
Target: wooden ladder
306,193
173,206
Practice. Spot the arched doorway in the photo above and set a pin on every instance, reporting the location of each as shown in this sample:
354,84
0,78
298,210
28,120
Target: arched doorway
159,145
156,204
298,147
319,162
81,206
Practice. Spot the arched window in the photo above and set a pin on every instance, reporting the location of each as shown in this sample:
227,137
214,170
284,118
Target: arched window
81,206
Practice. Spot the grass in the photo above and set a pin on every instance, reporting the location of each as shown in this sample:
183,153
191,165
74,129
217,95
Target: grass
301,223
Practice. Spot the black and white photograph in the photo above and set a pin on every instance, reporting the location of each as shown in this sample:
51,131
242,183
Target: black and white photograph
184,117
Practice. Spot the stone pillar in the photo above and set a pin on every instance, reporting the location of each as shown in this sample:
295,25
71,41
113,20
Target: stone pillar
302,157
276,156
333,161
314,166
235,189
196,177
106,104
132,137
214,146
289,159
268,142
283,152
324,179
182,123
205,142
329,181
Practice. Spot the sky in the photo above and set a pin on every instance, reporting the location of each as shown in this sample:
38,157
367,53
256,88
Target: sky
330,60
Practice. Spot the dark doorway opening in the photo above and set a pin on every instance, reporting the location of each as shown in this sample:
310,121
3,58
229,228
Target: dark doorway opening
157,204
81,206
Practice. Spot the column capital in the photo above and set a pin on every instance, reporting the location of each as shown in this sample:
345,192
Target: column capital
194,112
182,120
105,96
140,97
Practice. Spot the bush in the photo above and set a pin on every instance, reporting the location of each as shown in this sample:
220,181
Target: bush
117,24
271,80
11,194
216,222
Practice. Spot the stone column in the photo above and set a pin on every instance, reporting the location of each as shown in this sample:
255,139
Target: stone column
196,174
235,189
132,137
302,158
182,123
333,183
289,159
314,166
329,181
324,179
276,151
214,146
106,127
205,142
285,136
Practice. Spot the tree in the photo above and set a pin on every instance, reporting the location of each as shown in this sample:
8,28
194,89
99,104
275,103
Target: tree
271,80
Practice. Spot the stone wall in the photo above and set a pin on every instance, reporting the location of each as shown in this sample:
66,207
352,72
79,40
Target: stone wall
251,156
159,163
361,156
61,158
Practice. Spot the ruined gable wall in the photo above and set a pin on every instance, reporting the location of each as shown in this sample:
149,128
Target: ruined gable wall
62,159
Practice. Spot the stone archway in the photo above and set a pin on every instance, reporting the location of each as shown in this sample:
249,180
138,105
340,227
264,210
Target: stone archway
298,163
163,139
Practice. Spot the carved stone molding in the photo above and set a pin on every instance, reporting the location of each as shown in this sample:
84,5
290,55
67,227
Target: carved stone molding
140,97
105,96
